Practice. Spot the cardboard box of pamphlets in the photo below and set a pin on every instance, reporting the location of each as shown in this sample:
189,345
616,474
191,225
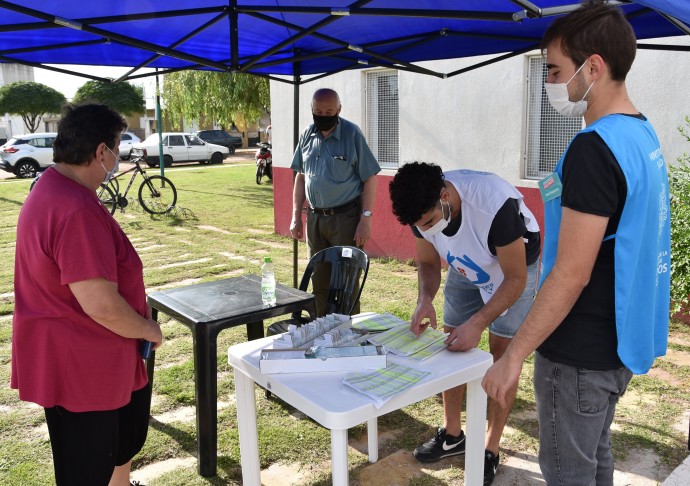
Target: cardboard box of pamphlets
346,358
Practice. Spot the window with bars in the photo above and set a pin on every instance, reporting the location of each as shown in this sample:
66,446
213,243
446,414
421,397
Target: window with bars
382,116
548,132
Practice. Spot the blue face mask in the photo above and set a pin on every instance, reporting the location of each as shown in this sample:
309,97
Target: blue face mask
110,173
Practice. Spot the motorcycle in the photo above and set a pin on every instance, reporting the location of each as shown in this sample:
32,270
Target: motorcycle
264,162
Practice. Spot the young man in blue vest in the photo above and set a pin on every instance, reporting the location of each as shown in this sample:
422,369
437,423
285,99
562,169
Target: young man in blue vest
480,226
602,310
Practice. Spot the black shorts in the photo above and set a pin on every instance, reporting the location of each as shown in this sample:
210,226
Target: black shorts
88,445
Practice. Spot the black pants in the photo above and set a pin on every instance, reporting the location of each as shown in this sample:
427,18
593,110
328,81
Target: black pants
324,231
88,445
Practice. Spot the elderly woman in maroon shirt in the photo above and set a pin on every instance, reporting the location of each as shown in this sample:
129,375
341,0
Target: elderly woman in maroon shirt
80,311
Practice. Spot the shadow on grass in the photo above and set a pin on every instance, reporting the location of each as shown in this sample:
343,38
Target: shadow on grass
427,480
258,198
398,431
186,440
231,467
424,479
228,468
13,201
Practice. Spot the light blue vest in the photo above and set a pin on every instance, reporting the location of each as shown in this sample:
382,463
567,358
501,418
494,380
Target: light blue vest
642,253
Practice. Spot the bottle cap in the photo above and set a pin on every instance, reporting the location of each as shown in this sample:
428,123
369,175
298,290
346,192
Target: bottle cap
267,259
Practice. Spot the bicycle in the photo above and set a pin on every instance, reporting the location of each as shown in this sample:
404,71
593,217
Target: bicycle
157,194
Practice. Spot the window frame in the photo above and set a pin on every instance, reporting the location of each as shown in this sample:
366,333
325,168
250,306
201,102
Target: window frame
194,141
547,133
176,137
387,154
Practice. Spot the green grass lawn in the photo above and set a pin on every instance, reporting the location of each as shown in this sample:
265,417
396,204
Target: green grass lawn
226,231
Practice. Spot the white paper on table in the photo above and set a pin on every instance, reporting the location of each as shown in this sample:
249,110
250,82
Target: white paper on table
403,342
381,385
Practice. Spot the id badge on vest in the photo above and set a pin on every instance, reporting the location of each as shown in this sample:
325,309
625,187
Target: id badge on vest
550,187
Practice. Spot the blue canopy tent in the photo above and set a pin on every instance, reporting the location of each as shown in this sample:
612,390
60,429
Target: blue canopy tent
300,40
291,37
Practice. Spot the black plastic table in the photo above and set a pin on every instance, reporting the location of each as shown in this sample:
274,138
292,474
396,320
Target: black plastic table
206,309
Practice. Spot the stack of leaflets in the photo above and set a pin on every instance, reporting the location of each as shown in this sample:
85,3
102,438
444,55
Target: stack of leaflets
382,384
403,342
373,322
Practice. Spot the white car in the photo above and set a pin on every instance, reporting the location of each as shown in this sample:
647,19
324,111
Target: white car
26,155
127,139
180,147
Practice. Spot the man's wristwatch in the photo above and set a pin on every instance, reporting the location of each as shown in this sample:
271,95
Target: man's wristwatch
366,213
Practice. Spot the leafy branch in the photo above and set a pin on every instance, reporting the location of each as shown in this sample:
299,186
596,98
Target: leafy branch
679,186
222,98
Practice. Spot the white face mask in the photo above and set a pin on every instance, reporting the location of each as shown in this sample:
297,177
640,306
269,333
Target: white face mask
110,173
440,225
560,99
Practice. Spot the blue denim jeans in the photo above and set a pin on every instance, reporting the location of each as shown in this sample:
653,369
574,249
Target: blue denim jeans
575,407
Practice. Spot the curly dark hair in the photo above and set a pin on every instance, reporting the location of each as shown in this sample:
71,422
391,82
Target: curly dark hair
82,129
415,190
595,28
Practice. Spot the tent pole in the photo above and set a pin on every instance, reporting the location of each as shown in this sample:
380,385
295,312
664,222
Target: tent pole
234,35
159,124
676,22
295,140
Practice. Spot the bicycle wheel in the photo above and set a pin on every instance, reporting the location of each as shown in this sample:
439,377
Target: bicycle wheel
33,183
157,195
114,185
108,198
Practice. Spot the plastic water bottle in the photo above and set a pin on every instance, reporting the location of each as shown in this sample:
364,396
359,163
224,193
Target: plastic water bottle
268,282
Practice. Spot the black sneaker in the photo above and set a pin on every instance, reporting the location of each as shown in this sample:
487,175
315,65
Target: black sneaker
440,446
490,466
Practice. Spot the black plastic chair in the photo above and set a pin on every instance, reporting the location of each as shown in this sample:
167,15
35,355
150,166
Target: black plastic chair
348,264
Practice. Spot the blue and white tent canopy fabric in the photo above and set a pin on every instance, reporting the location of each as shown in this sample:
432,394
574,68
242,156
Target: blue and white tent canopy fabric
292,37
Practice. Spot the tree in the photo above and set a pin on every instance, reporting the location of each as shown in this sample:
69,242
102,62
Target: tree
31,101
123,97
224,98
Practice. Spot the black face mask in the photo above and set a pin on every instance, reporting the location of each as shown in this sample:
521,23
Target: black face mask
325,123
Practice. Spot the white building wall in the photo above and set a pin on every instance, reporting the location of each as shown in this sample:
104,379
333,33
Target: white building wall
12,73
350,89
11,125
475,120
472,120
659,86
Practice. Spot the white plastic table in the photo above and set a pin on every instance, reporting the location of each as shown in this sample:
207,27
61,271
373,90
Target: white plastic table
324,398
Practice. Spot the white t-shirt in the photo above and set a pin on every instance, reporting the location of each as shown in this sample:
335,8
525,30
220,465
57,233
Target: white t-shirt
482,194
